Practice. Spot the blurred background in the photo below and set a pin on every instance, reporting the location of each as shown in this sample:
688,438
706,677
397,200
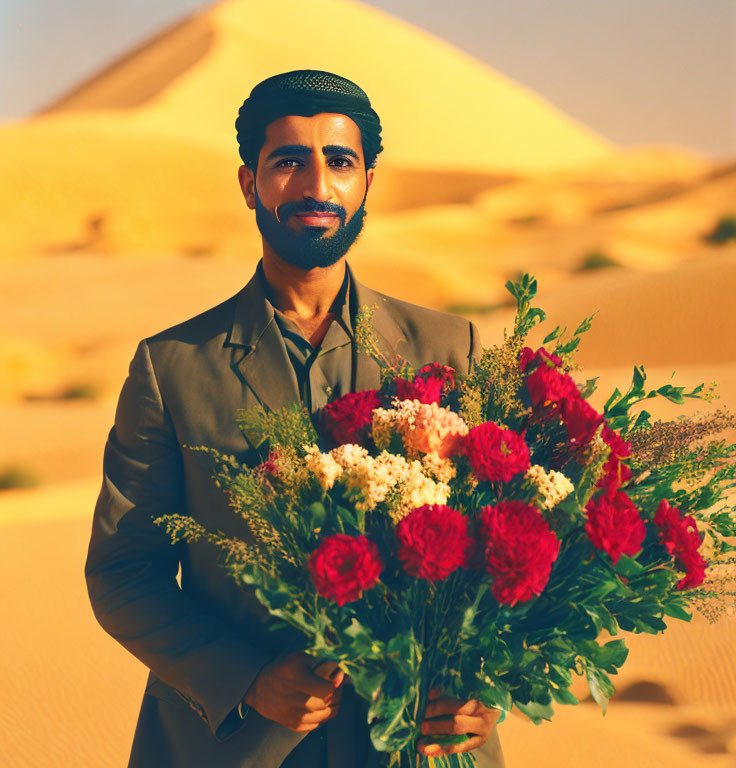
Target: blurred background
590,143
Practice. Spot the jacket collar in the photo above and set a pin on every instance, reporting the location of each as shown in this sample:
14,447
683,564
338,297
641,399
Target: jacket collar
259,357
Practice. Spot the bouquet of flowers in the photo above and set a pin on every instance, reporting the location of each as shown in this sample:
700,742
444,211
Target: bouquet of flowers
479,534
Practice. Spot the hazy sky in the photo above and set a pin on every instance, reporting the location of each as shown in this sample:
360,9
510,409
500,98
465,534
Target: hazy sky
636,71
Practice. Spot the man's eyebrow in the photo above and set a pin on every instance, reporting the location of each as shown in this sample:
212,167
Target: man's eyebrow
337,149
303,151
290,149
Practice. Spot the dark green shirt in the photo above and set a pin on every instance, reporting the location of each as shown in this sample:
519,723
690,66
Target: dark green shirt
325,371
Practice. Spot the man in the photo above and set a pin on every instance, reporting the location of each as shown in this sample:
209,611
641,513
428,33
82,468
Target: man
224,690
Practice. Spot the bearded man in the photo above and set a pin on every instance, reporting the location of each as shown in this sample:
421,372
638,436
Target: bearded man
224,689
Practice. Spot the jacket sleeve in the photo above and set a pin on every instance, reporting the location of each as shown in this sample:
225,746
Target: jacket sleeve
131,565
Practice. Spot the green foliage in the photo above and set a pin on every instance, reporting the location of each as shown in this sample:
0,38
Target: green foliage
594,260
18,476
290,427
723,232
524,290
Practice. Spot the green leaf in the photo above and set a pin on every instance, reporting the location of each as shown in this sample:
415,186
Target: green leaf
584,326
563,696
535,711
677,611
317,513
672,393
447,739
639,378
553,335
629,567
589,388
346,516
596,690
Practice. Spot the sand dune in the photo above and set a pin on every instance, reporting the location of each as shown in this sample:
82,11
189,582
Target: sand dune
487,122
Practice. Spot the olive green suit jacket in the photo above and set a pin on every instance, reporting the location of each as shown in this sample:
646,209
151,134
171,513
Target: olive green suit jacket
204,639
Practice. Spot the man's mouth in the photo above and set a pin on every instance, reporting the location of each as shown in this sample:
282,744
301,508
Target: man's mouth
316,219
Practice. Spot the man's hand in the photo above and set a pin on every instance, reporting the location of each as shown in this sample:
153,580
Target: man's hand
444,716
294,693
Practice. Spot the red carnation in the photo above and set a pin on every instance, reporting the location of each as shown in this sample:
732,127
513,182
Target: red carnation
528,357
348,419
433,541
680,536
615,473
548,387
520,549
343,566
614,525
580,419
692,562
495,453
428,385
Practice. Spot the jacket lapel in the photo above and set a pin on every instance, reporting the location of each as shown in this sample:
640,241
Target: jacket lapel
258,353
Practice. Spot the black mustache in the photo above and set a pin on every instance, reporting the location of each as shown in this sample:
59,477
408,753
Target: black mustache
290,209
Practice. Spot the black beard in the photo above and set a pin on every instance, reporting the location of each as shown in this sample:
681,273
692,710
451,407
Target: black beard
311,247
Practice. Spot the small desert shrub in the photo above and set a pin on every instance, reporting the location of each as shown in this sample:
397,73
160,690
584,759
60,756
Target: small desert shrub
79,392
476,309
596,260
723,232
18,476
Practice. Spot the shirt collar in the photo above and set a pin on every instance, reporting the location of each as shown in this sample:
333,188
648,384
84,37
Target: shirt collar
340,306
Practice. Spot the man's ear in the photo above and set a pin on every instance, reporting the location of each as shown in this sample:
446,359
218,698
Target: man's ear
369,178
247,180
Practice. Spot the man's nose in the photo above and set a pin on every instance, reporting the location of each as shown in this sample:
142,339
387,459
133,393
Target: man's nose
317,184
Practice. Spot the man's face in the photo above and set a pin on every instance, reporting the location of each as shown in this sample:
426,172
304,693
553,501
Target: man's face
309,189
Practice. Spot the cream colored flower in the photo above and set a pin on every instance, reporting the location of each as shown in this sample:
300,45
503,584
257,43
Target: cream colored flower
553,486
441,469
323,466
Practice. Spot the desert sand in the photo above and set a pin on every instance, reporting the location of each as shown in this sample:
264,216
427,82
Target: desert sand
122,216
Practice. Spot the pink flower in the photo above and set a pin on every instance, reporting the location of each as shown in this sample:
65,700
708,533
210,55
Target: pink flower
429,428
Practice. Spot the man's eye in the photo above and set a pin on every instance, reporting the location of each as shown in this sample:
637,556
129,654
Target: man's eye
341,160
280,164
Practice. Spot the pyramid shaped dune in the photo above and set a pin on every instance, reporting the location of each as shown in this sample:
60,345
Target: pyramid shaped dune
142,157
440,107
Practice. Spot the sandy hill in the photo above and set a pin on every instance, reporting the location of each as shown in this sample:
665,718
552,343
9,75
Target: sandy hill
440,108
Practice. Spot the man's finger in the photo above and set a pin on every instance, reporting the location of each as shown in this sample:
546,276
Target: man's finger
305,681
448,706
460,724
318,716
432,749
314,704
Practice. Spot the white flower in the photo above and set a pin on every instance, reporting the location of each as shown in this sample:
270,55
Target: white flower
553,486
323,466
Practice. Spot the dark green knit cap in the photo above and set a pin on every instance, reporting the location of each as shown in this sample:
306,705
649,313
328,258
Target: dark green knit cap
305,92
